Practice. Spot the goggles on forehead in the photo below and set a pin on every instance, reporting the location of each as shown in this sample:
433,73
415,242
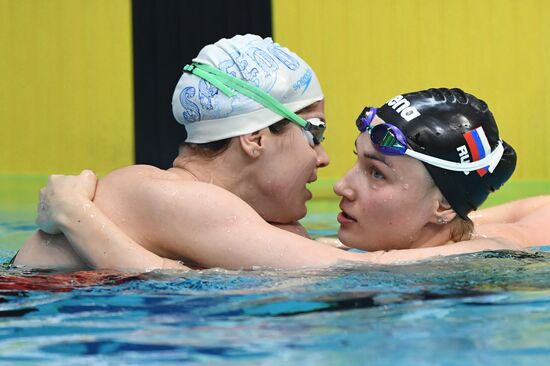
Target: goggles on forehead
390,140
313,128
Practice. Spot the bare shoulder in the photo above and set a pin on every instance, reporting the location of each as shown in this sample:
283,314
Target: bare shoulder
132,176
195,201
150,181
159,197
525,234
513,211
492,243
133,185
524,221
136,198
170,214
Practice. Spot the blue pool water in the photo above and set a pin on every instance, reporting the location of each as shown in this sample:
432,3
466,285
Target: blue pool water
482,309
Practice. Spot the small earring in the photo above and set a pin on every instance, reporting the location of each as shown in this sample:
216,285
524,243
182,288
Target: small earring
254,152
441,221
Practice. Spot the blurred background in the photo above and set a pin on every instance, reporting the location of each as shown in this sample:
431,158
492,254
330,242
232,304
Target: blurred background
88,83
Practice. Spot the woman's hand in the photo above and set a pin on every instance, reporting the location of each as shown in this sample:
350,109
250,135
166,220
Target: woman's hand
62,194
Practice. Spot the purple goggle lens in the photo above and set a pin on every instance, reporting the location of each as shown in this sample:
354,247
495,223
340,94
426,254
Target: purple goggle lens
387,138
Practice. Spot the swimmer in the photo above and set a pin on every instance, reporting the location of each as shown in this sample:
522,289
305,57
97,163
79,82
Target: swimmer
255,149
419,173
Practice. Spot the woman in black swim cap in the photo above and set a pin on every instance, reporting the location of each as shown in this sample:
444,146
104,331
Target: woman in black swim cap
454,159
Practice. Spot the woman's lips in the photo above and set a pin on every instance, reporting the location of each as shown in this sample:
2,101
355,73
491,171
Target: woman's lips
344,219
312,178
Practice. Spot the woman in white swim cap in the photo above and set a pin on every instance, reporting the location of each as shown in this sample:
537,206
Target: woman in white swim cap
237,101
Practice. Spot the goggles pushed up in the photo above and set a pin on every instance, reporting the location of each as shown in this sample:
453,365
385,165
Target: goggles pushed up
390,140
314,128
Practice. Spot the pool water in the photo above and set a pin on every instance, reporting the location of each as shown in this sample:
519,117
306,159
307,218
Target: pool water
479,309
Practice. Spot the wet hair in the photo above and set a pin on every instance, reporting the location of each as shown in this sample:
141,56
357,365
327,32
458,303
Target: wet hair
462,228
212,149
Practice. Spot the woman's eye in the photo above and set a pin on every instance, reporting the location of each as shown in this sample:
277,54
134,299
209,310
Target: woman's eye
376,174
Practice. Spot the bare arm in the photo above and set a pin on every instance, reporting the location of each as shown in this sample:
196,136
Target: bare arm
463,247
114,250
511,212
222,239
111,247
524,221
99,242
207,225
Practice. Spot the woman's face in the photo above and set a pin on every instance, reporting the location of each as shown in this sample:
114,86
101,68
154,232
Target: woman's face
287,166
386,200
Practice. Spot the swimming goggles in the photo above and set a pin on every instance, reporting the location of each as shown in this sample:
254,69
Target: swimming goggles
314,128
390,140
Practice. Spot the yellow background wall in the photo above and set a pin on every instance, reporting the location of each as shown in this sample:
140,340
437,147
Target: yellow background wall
366,51
66,85
66,75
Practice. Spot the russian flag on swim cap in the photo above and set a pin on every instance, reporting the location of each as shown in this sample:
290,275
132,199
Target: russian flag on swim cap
479,147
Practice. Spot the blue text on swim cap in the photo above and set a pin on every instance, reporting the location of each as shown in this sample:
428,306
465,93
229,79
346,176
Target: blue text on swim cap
305,80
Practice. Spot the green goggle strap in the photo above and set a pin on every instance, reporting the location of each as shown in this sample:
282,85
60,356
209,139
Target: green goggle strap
228,84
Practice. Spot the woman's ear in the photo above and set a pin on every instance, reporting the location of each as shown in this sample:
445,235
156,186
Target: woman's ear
443,213
253,144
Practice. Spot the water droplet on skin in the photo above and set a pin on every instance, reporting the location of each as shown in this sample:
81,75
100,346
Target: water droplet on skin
478,236
405,186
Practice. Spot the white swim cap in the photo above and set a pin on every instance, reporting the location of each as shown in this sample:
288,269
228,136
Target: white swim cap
209,115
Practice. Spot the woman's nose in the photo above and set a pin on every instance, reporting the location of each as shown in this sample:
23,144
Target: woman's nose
343,189
322,157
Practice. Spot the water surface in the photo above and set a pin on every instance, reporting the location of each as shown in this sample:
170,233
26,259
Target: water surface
478,309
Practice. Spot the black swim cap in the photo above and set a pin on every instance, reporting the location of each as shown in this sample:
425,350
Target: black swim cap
441,123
